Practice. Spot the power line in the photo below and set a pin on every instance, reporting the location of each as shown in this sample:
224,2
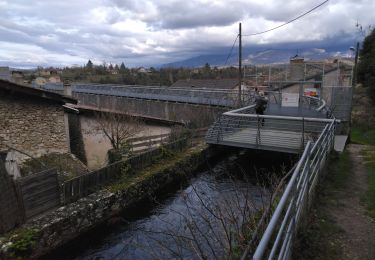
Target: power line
288,22
230,52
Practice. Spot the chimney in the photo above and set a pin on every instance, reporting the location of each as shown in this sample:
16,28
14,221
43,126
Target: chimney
67,88
296,68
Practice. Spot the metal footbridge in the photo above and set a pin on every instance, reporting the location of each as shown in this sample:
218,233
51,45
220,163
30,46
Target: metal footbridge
282,129
308,129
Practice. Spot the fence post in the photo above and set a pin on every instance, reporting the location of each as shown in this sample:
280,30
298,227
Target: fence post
219,137
303,133
258,131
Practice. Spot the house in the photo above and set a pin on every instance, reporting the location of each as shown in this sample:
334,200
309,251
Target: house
39,82
54,79
143,70
227,84
33,121
44,73
5,73
17,76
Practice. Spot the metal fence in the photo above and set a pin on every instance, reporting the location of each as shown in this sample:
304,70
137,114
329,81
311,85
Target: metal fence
339,101
280,234
316,74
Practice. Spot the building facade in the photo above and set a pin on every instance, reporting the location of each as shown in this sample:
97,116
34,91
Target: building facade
32,121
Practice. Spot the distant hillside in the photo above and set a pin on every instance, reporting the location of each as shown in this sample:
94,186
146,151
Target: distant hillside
198,61
260,57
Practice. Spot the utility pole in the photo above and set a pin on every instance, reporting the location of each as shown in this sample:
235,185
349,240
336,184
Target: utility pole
240,66
355,65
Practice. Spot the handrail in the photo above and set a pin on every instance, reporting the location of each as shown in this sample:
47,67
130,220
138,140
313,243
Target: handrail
322,101
275,217
308,119
296,198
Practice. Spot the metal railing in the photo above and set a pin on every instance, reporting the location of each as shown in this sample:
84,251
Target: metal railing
243,128
278,238
216,97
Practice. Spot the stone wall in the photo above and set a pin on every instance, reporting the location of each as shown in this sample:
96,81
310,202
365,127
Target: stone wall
33,125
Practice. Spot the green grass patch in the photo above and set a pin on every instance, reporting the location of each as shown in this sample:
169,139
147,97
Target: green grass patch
337,172
321,240
362,136
370,194
321,237
129,178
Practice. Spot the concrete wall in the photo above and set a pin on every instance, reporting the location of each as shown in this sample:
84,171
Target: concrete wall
33,125
181,112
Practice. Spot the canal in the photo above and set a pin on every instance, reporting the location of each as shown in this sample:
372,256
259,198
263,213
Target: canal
201,218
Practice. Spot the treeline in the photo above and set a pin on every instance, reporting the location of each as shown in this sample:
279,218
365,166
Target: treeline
366,65
120,74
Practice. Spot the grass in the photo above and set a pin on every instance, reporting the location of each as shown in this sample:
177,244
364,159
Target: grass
362,136
321,238
367,137
128,179
369,154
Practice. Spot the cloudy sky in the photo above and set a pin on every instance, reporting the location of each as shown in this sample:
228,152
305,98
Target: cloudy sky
150,32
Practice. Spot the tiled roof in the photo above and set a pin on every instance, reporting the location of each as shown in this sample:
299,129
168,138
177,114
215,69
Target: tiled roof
206,83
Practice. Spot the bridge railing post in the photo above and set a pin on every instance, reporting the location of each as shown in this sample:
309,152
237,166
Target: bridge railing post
303,134
219,137
258,131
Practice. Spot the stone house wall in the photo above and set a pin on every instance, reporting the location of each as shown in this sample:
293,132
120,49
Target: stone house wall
33,125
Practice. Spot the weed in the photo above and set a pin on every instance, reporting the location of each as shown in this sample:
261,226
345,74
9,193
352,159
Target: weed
21,242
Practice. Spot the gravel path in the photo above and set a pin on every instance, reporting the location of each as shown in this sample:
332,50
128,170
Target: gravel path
358,238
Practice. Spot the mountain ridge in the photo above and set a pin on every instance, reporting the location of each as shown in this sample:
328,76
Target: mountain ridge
267,56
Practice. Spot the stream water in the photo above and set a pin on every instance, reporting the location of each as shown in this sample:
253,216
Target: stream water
198,218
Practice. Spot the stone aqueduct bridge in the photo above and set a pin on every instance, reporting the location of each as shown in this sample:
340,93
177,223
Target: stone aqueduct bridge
159,103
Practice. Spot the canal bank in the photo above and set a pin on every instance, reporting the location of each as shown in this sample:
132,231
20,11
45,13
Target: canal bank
201,216
73,222
45,233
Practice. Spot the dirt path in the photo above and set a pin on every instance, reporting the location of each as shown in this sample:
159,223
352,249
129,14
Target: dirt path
358,238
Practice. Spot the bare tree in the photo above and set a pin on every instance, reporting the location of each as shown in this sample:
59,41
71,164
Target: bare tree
207,223
118,127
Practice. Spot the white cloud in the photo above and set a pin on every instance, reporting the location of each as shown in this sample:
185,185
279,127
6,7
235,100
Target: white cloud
156,31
